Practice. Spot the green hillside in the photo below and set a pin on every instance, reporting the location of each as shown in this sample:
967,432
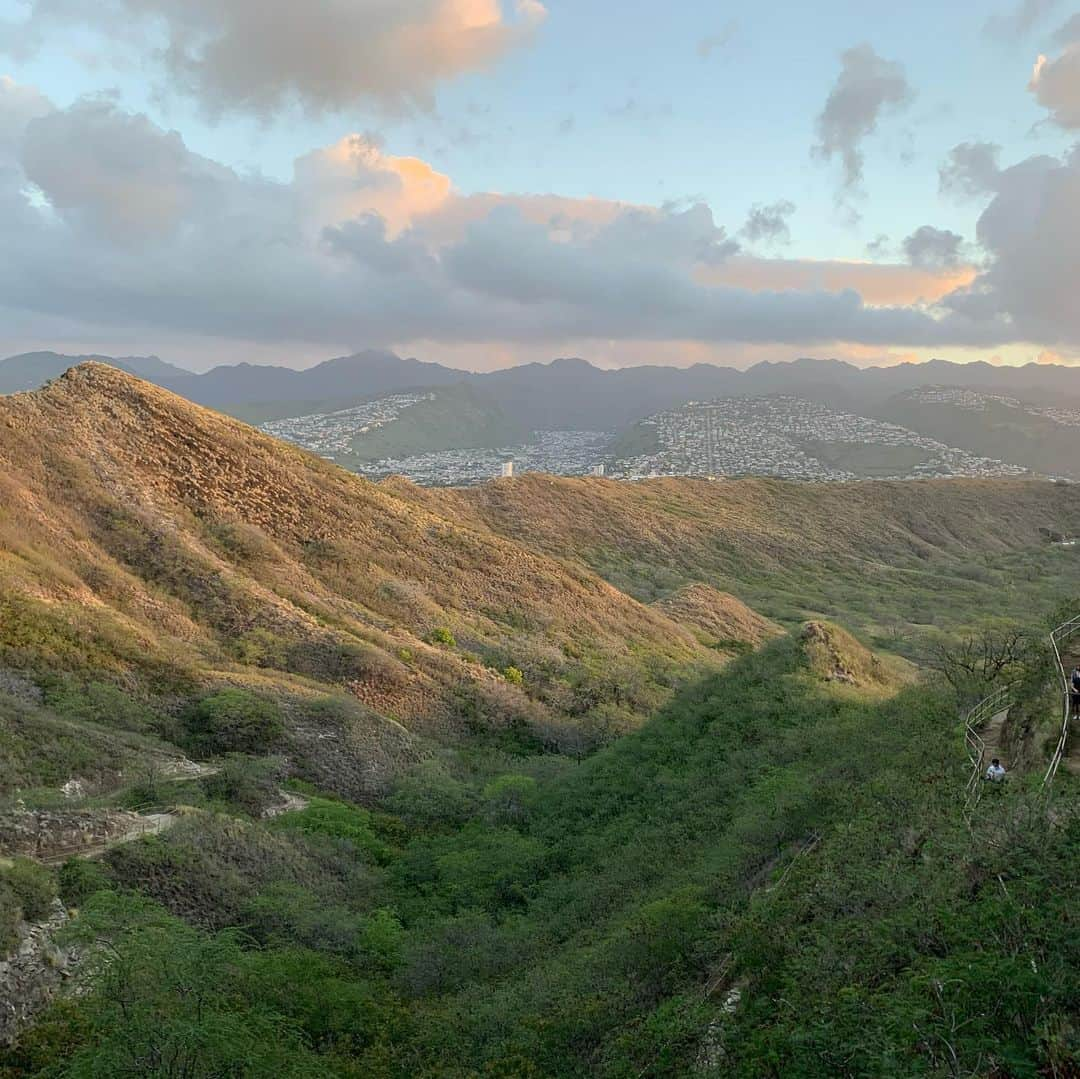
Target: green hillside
454,418
1005,432
306,776
773,877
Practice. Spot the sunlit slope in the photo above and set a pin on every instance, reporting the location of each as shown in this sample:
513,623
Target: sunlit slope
148,537
881,555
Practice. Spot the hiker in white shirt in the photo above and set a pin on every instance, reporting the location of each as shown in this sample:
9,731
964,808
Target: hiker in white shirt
996,772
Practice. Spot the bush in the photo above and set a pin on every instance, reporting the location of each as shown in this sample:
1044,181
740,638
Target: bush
250,784
98,702
513,675
383,939
234,721
79,879
429,798
10,916
507,798
442,635
32,886
262,648
341,821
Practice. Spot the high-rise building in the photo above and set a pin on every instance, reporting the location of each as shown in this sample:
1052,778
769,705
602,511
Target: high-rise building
597,470
507,469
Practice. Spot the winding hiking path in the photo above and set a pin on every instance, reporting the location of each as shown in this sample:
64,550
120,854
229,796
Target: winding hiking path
991,735
986,721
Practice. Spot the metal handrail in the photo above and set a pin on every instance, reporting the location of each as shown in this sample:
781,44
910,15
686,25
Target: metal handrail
987,708
1058,637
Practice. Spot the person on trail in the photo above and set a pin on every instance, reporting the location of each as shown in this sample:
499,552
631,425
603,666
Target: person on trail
1074,685
996,772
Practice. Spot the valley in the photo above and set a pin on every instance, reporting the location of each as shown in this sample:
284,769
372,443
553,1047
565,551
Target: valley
540,776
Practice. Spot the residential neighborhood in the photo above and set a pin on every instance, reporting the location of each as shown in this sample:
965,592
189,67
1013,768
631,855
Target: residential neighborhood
795,439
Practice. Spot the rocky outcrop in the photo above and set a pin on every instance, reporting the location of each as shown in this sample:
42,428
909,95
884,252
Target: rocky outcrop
833,654
48,835
33,973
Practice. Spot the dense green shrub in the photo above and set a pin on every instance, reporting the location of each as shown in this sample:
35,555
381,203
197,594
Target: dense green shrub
250,784
234,721
98,702
428,797
340,820
10,916
33,885
27,891
773,877
79,879
508,799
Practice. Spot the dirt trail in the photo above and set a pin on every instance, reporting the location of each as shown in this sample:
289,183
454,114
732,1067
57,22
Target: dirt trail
991,736
148,824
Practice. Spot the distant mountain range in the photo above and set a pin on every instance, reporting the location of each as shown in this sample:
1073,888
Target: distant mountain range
566,393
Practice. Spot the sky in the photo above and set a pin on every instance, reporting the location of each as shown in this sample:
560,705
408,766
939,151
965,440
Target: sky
483,183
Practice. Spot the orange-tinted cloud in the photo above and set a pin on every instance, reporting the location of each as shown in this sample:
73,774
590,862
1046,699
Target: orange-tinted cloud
258,57
880,284
353,177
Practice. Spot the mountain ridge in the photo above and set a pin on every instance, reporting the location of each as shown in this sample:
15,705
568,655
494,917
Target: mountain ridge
566,393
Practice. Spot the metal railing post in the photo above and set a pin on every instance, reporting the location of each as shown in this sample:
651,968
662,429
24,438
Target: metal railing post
1066,631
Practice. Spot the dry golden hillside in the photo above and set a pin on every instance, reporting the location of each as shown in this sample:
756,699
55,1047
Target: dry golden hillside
171,550
884,555
721,619
170,545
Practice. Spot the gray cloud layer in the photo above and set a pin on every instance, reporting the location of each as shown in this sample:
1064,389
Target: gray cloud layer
110,220
1031,230
971,169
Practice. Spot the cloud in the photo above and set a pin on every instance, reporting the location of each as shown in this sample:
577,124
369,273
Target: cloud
354,177
18,106
867,87
1018,22
267,56
878,247
931,247
1047,356
878,284
110,221
1056,83
971,169
768,224
1069,32
114,173
1031,232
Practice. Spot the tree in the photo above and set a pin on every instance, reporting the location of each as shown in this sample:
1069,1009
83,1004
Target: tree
234,721
973,664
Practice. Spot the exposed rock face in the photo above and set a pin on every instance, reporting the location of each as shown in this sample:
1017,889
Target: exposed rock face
50,834
836,656
17,685
32,974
